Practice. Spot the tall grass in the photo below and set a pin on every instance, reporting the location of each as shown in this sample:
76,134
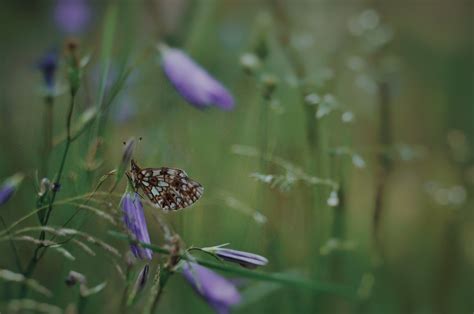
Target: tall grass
332,164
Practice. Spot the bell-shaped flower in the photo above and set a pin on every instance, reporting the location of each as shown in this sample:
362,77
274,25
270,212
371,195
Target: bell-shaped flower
193,82
220,293
244,259
48,66
134,219
72,16
9,186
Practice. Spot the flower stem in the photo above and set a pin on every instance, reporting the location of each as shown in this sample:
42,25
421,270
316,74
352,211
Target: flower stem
36,255
159,281
81,304
385,140
160,287
263,132
48,133
63,159
12,244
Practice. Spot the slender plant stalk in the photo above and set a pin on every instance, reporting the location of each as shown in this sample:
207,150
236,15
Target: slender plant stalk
161,284
106,51
63,159
385,164
123,300
271,238
155,293
57,181
37,253
315,197
48,132
13,246
263,132
81,304
251,274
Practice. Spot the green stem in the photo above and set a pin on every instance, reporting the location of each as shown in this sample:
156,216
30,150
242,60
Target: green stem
162,282
48,132
155,292
14,249
275,277
30,269
385,164
63,159
36,255
263,132
123,301
108,35
81,304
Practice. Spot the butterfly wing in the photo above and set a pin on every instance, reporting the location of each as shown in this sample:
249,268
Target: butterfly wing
169,188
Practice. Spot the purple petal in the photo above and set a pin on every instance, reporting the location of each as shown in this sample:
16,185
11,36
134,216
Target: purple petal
48,66
134,219
72,16
9,187
6,192
245,259
218,292
194,83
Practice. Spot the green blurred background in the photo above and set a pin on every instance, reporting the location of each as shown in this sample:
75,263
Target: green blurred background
396,136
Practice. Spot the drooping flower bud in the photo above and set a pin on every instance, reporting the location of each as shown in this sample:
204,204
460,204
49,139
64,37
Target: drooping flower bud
192,82
134,219
244,259
48,66
219,293
9,186
72,16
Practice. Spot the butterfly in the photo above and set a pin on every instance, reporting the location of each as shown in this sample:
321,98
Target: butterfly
167,188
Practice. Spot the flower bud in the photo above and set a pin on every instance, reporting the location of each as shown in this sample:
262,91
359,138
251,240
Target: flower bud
250,63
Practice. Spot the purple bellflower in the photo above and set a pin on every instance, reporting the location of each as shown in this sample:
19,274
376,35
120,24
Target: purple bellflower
48,65
6,192
192,82
244,259
9,186
134,219
72,16
219,293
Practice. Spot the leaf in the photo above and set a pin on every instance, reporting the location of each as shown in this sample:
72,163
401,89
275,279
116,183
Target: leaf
86,292
8,275
23,305
106,52
99,213
281,278
84,247
65,232
63,251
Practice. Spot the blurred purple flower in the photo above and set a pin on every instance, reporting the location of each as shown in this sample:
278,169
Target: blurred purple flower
134,219
48,65
9,187
6,191
194,83
72,16
245,259
219,293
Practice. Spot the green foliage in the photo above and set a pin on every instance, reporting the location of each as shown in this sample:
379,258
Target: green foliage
347,160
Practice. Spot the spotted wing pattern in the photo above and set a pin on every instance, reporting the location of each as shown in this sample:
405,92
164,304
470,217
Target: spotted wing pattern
169,188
